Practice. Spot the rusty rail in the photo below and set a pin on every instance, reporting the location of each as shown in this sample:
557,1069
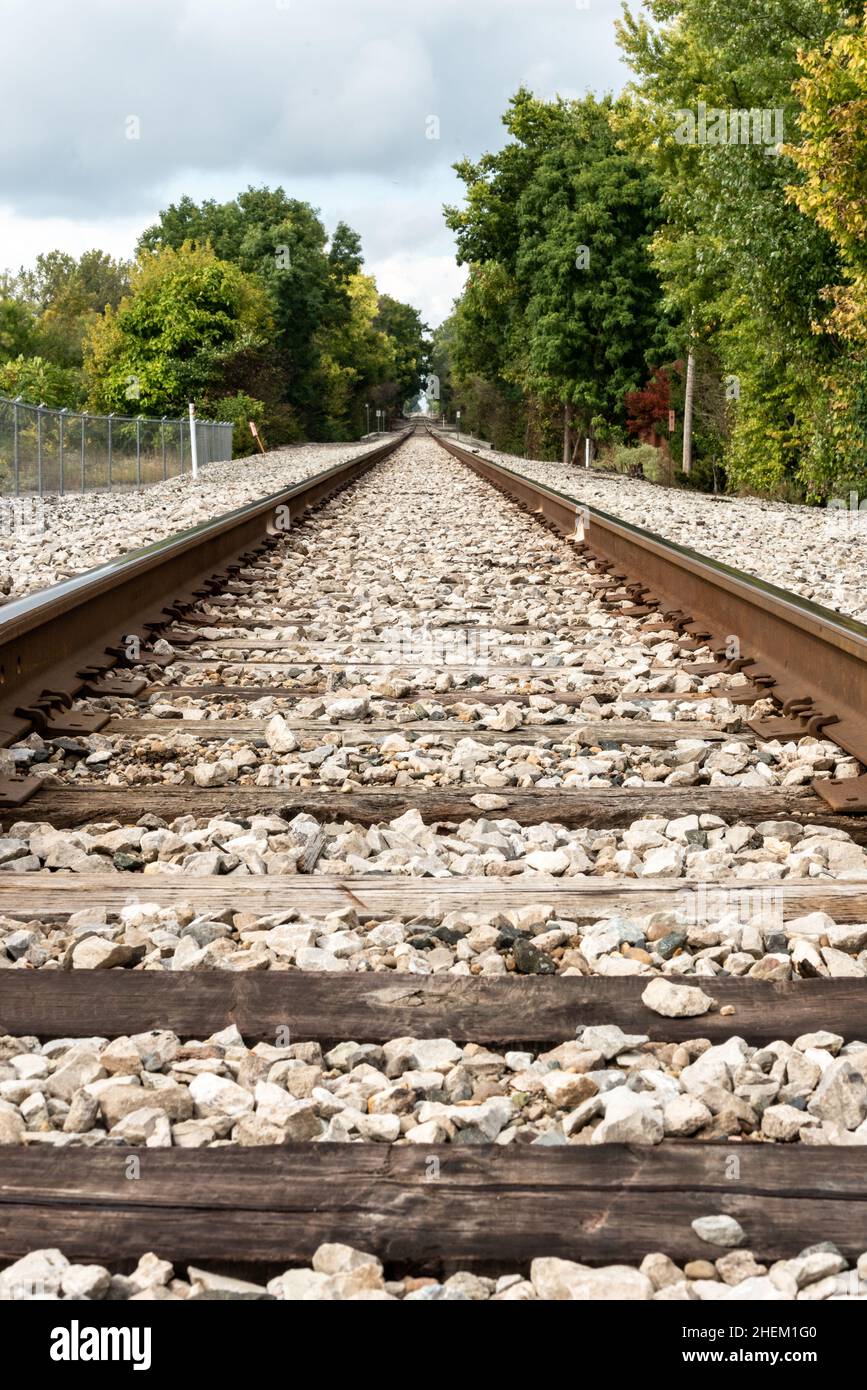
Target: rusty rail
811,661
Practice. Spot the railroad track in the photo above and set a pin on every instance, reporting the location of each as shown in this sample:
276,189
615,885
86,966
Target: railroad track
337,818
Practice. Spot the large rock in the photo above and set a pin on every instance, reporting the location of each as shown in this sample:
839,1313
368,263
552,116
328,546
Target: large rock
205,1280
719,1230
297,1118
335,1258
841,1095
562,1281
348,708
215,774
70,1076
610,1040
218,1096
660,1270
676,1001
420,1054
120,1100
631,1117
302,1286
147,1125
95,953
11,1127
785,1122
279,736
568,1089
684,1115
85,1281
37,1274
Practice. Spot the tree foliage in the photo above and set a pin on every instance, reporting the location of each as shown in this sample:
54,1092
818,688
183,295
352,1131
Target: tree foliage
176,334
721,206
562,305
246,307
311,285
831,157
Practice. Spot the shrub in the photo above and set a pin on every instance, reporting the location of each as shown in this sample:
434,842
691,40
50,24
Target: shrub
241,409
638,461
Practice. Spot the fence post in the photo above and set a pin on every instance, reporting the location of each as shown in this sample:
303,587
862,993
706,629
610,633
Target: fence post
39,446
15,444
181,426
110,418
138,451
163,441
62,424
83,431
194,448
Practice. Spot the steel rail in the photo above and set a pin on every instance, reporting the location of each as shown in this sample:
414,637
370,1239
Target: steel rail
809,659
56,643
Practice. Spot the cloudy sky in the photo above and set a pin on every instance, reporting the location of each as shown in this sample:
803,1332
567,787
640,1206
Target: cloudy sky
330,98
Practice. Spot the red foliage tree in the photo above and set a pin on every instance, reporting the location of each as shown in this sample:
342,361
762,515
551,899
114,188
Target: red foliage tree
647,408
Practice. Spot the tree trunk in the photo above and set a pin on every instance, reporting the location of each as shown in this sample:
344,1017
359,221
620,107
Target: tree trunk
686,464
567,435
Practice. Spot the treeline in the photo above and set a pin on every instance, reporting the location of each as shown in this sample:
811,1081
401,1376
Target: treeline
693,250
248,308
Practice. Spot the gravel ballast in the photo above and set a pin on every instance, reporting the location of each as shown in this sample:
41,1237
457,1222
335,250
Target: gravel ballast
47,540
604,1087
820,553
339,1273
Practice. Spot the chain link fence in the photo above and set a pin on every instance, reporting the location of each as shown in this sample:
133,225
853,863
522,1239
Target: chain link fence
57,451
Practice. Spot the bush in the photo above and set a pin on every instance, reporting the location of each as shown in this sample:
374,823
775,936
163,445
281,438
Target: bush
41,383
638,461
241,409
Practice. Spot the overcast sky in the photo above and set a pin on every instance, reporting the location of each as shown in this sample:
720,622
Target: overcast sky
330,98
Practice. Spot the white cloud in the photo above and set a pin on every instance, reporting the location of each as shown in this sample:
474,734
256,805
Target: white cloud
330,98
23,238
432,283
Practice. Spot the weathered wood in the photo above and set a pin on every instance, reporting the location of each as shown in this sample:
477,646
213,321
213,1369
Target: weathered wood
378,896
477,1206
581,806
436,660
615,731
381,895
468,695
430,620
316,652
381,1006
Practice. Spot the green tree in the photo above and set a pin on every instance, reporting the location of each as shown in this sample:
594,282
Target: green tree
356,360
403,325
41,383
177,335
283,243
832,160
17,321
562,303
67,295
743,270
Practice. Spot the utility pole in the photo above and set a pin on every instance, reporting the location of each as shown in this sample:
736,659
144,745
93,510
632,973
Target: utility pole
689,393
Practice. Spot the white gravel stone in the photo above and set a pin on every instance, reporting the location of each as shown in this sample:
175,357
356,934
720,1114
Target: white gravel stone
719,1230
676,1001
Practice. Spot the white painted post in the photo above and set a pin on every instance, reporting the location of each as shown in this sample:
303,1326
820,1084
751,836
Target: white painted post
587,451
193,451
